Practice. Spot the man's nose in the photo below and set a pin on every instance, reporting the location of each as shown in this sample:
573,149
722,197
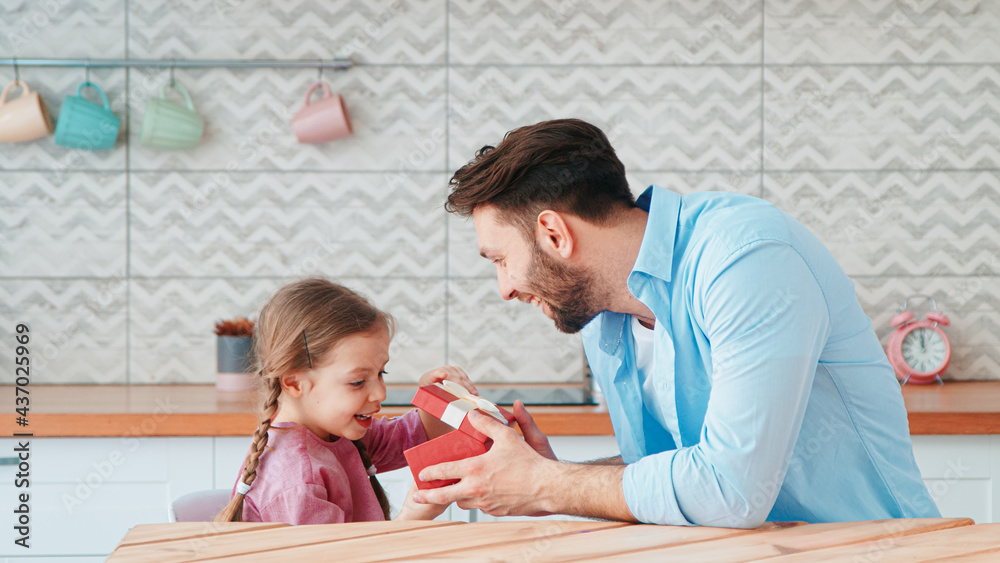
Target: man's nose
507,291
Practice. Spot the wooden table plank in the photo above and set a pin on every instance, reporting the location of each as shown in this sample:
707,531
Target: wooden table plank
990,555
412,544
145,533
773,543
195,547
976,543
608,541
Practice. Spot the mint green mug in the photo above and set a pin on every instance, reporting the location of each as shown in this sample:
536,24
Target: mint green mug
86,125
171,126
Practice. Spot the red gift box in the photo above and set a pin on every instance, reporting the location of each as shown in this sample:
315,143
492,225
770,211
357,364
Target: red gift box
451,403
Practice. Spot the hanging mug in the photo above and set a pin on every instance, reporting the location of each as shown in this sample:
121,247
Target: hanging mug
322,121
24,118
171,126
86,125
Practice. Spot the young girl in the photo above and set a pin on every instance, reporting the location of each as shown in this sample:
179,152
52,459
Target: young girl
321,353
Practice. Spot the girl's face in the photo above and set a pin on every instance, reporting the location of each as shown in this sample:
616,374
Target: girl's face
340,396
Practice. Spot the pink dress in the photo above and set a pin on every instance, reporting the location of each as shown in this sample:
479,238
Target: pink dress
302,479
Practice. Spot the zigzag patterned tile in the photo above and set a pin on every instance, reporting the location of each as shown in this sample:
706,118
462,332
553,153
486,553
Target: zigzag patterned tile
77,328
49,228
870,31
739,181
286,224
171,339
172,321
898,223
875,117
52,188
247,117
54,84
464,260
418,307
972,304
605,32
197,190
63,28
379,31
657,119
497,341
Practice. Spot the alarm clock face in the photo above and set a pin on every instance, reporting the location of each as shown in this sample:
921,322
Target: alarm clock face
924,350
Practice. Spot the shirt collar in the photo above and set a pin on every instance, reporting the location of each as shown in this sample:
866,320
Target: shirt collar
656,254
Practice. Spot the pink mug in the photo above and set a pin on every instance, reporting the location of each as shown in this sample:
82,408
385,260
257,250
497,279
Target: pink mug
24,118
323,121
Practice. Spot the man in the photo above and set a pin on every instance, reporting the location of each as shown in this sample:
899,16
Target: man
743,379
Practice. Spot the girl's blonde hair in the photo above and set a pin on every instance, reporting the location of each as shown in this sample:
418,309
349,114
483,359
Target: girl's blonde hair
295,330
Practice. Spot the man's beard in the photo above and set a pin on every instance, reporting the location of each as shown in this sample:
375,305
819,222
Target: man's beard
569,291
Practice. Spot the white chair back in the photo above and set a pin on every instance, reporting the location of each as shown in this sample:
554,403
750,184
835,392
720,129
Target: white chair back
199,506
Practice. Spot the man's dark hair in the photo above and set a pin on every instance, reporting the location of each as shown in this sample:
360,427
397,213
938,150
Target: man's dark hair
566,165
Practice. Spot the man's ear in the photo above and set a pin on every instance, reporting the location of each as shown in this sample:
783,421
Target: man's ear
554,235
293,384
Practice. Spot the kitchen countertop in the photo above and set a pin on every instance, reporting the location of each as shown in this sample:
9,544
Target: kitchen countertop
967,407
200,410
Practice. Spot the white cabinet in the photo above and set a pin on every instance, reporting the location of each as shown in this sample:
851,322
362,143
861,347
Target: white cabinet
962,474
227,458
85,493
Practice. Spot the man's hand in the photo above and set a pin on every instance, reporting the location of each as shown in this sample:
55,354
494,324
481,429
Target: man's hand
507,480
521,477
532,435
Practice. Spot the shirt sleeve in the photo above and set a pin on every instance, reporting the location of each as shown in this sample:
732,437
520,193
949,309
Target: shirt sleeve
302,504
767,321
388,437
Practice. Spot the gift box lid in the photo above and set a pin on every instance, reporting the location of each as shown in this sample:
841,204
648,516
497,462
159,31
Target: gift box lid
451,403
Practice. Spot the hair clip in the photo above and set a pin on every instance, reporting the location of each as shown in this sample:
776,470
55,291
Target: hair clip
304,341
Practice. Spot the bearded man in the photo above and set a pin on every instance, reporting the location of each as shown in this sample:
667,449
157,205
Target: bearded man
743,379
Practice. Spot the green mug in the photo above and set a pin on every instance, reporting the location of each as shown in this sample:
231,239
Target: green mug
86,125
171,126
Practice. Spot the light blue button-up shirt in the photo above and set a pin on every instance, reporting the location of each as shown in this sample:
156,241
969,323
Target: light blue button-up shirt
786,405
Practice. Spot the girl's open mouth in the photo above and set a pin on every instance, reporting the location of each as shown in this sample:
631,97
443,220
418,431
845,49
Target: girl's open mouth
365,420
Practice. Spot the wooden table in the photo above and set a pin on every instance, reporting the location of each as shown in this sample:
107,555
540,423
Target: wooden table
938,539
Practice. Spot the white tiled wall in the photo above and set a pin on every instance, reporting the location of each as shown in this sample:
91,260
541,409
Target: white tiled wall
875,123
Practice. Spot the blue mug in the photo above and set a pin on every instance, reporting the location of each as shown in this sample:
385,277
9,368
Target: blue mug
86,125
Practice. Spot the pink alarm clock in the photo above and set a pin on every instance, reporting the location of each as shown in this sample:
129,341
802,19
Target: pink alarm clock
919,350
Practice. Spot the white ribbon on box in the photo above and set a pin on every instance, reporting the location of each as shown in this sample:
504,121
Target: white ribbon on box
456,411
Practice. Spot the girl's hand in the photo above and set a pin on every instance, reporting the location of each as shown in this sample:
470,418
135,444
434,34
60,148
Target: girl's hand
432,426
413,511
451,373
